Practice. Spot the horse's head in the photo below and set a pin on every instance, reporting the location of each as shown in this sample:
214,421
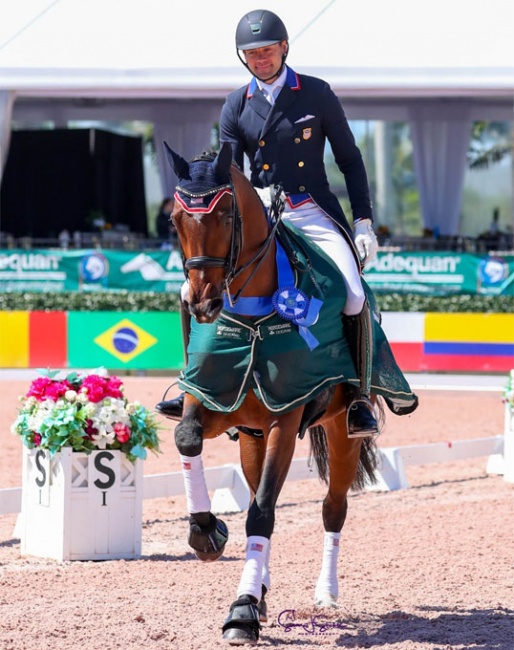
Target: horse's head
207,227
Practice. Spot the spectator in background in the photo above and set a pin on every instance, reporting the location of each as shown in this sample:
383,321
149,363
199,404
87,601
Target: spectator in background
163,226
64,239
494,228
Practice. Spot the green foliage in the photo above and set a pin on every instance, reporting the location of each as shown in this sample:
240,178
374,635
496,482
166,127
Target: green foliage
156,301
140,301
447,304
490,143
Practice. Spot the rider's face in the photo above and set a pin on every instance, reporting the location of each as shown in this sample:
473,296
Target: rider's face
265,62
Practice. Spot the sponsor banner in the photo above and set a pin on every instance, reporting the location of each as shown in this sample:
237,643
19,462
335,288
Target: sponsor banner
441,273
55,270
125,340
433,273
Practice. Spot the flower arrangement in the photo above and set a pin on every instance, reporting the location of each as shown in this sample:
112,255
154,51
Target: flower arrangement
86,412
508,395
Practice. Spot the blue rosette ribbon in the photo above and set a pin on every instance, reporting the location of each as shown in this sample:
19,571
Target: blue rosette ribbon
292,304
288,301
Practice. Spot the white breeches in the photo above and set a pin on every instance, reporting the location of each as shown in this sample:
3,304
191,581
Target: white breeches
319,228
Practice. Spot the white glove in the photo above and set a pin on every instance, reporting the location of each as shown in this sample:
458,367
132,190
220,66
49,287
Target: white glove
365,241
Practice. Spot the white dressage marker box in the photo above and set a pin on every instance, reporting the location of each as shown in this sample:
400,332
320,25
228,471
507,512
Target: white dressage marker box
78,506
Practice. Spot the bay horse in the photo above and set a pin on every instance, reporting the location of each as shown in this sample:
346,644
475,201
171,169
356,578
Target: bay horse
230,246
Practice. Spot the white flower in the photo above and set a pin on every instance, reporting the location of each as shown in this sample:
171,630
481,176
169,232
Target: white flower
103,438
70,395
82,397
89,409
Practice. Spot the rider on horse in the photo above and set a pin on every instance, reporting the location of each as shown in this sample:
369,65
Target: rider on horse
282,120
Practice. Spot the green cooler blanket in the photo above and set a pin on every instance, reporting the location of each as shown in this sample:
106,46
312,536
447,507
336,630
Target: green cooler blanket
269,355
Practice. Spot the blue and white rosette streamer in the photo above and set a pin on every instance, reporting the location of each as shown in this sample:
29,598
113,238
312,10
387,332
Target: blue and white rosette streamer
292,304
289,302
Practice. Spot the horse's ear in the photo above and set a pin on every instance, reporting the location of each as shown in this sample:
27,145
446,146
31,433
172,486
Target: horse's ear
178,164
223,161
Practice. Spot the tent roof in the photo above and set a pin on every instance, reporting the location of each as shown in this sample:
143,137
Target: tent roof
165,48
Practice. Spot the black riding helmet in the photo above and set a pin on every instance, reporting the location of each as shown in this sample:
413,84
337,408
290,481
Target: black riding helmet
260,28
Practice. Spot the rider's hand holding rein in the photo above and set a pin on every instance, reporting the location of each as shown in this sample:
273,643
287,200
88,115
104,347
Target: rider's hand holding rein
365,241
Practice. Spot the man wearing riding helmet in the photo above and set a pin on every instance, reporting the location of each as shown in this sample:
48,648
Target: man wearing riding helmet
281,121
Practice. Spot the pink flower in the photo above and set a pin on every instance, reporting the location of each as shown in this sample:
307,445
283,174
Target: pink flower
113,388
36,439
98,388
122,432
95,387
57,389
45,388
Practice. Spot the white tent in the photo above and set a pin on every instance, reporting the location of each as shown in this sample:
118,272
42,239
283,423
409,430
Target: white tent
438,65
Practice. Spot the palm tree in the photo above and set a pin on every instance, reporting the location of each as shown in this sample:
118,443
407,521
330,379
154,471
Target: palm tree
490,143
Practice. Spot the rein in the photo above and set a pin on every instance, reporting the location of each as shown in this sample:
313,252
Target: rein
277,206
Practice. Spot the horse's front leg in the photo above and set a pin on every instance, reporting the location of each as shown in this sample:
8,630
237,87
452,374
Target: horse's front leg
242,625
252,453
208,535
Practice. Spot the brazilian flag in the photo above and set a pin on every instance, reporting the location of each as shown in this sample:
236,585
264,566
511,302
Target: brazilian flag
150,340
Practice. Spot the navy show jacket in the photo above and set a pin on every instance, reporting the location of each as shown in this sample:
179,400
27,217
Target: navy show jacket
285,143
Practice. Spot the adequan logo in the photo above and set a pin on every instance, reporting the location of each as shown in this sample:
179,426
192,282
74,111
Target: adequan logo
125,340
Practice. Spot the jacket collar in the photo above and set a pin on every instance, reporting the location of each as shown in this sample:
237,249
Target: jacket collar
292,80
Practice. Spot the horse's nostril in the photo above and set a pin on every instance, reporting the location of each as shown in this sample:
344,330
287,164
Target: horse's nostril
208,310
216,304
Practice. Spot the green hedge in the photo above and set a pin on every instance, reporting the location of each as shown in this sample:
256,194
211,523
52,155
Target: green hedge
153,301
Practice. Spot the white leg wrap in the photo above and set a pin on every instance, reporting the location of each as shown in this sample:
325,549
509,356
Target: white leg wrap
251,579
327,586
197,495
266,578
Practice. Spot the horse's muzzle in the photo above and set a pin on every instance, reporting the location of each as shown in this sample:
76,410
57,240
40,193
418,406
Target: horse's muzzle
206,311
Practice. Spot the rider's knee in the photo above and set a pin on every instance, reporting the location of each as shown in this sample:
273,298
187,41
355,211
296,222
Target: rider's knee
354,302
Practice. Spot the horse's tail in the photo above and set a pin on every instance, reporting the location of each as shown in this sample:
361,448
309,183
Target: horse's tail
368,461
319,451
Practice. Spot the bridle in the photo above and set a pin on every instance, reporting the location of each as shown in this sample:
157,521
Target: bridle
208,261
230,263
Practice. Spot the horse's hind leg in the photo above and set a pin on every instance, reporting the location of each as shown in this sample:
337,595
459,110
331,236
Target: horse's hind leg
343,460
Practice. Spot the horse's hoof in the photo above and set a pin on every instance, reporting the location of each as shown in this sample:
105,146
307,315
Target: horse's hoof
208,542
327,600
240,636
242,625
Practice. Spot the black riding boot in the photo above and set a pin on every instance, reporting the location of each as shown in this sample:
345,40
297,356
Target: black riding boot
360,413
173,408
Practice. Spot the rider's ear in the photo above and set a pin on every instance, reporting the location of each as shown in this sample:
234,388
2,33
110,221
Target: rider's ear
178,164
